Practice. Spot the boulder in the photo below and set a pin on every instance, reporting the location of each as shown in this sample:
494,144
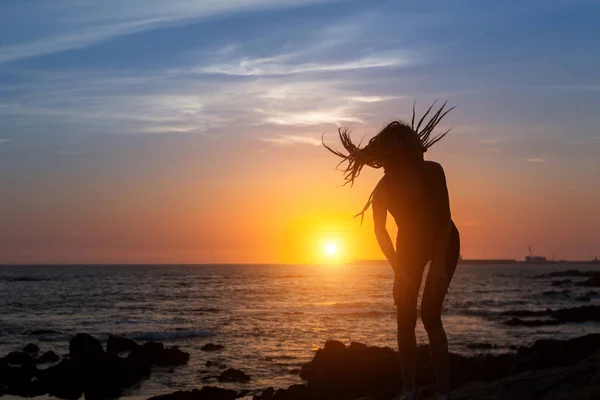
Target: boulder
206,393
562,282
18,358
41,332
173,356
31,348
84,348
47,357
594,281
118,344
233,375
212,347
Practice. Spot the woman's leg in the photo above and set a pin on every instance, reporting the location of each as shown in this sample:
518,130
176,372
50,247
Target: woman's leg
431,314
406,292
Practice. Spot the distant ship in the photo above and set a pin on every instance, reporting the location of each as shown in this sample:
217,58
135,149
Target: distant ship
531,259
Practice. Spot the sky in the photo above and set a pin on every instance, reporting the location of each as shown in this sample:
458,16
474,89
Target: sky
148,131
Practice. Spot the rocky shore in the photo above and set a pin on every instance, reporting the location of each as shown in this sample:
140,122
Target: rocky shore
550,369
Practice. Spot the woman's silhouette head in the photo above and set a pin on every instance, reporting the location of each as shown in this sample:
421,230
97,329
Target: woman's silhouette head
398,147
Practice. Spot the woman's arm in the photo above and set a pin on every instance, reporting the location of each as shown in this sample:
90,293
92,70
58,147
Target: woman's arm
379,219
443,222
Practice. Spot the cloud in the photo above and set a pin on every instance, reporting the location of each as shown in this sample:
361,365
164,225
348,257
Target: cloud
2,141
309,117
287,140
535,160
276,66
90,23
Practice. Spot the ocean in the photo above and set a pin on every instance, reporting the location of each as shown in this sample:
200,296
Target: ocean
270,318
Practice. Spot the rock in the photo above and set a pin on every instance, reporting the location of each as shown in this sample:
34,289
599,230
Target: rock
84,348
173,356
583,298
31,348
148,354
18,358
64,380
334,345
212,347
564,292
295,371
562,282
593,281
570,272
233,375
572,382
211,363
118,344
47,357
206,393
562,316
265,395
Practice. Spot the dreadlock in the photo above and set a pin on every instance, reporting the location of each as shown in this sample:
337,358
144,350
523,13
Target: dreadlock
383,147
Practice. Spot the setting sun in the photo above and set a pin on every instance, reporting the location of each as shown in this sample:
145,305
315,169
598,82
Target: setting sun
331,248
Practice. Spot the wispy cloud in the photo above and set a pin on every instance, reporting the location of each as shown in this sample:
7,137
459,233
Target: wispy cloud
2,141
535,160
318,116
287,140
82,24
277,66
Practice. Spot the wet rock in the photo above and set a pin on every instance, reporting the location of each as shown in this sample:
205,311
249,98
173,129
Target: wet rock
31,348
206,393
47,357
233,375
593,281
562,282
18,358
64,380
211,364
84,348
554,293
173,356
212,347
562,316
118,344
584,298
267,394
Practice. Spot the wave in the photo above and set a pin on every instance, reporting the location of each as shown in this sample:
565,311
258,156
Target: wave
352,305
146,336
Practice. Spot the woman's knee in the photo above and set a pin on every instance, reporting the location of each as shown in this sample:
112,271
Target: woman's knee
407,321
432,319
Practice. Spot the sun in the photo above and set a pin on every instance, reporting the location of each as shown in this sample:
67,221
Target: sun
331,249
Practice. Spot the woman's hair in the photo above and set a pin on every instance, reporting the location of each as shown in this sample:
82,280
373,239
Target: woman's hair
389,145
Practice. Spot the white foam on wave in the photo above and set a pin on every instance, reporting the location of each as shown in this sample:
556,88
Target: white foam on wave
144,336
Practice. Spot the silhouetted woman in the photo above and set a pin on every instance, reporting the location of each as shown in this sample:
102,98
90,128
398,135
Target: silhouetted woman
414,192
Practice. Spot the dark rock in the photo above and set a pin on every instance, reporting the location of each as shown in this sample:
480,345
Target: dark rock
206,393
562,282
47,357
147,354
295,371
591,293
593,281
233,375
84,348
562,316
564,292
211,363
118,344
64,380
173,356
222,366
267,394
583,298
572,273
334,345
18,358
212,347
31,348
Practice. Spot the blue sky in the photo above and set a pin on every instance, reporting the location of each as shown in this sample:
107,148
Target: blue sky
138,85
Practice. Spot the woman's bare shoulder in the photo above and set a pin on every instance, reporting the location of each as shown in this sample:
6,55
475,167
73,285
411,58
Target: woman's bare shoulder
435,170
